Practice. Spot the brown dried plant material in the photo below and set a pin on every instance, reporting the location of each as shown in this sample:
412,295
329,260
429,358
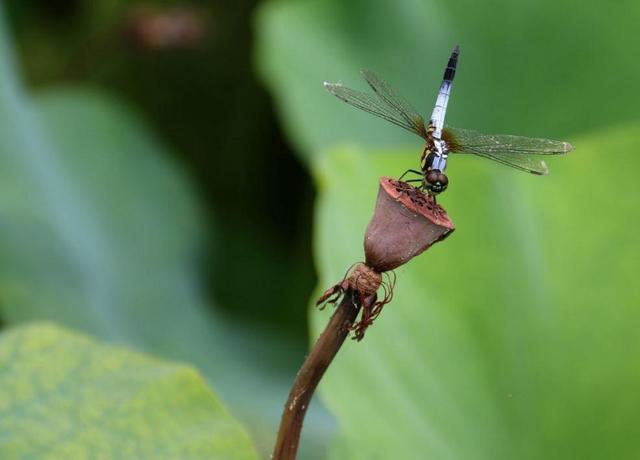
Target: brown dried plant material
405,223
364,282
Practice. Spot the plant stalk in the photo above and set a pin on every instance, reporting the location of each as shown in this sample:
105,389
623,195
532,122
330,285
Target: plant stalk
310,375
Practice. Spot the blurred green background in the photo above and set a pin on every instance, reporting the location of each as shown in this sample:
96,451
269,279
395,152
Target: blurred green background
174,177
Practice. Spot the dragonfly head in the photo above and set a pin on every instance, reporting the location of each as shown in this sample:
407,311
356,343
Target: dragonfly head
435,182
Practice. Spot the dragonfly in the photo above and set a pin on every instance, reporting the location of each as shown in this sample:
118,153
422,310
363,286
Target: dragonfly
522,153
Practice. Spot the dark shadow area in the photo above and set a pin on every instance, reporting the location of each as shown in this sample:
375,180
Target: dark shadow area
187,67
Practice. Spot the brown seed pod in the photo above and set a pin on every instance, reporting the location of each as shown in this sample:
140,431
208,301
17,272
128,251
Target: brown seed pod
405,223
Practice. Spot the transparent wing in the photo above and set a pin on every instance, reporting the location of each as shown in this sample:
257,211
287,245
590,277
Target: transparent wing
515,151
395,112
522,162
394,100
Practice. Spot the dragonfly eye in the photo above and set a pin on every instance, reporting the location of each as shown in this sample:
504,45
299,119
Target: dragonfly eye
436,181
444,180
432,176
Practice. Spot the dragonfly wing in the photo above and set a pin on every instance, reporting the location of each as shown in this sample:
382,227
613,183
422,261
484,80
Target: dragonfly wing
375,104
385,92
521,162
515,151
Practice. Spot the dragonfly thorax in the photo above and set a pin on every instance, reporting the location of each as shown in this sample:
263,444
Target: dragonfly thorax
440,157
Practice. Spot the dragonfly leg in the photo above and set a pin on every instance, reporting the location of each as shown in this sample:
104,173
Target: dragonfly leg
410,171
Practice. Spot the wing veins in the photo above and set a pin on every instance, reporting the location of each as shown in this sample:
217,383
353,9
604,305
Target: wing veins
534,167
464,140
373,105
503,148
384,91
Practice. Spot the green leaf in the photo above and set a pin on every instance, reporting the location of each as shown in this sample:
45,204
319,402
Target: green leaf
63,395
101,231
514,338
542,69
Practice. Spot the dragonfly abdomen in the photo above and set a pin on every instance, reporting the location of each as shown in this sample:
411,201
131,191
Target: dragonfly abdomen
437,117
450,71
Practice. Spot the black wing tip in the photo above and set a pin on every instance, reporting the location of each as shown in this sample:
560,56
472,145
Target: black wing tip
456,50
